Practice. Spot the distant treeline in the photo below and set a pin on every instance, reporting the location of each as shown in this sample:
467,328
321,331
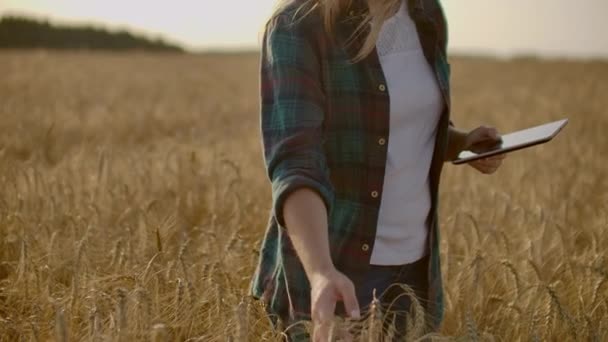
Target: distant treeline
20,32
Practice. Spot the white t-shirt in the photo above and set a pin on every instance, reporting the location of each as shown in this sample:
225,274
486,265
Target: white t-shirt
415,109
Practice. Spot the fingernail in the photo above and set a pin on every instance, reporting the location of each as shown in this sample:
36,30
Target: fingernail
355,314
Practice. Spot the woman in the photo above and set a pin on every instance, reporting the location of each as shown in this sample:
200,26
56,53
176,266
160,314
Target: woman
355,119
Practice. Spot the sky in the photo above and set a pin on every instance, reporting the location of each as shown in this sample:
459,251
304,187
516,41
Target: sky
550,28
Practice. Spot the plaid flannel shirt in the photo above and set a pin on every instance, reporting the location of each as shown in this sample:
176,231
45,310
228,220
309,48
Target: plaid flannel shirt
325,126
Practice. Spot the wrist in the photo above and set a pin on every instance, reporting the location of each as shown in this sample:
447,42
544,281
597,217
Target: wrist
320,271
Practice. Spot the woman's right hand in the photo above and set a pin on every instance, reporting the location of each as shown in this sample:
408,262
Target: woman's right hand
306,218
327,288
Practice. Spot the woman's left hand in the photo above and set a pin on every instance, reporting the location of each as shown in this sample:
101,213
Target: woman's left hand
488,165
480,136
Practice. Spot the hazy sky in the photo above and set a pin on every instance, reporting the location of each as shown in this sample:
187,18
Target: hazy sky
575,28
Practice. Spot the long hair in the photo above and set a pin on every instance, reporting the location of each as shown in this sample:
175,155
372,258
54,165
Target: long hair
331,10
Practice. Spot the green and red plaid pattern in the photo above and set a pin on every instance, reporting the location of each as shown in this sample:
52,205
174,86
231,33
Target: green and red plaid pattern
325,126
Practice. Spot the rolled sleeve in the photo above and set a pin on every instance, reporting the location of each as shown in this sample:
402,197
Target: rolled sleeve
283,186
292,113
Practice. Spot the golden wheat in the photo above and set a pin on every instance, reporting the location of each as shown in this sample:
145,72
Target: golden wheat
134,199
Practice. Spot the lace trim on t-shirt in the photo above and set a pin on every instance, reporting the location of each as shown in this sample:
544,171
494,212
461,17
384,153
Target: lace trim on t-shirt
398,34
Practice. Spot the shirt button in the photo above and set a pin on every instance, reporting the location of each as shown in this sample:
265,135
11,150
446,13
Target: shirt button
365,247
382,87
381,141
375,194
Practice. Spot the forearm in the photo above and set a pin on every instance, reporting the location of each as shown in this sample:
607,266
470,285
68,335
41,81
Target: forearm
456,143
306,221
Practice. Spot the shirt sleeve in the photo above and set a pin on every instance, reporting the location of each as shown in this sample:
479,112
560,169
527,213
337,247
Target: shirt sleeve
292,113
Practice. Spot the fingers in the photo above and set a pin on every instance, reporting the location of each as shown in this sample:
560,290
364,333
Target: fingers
348,296
494,160
321,332
482,138
485,169
488,165
322,319
324,305
324,309
484,132
492,133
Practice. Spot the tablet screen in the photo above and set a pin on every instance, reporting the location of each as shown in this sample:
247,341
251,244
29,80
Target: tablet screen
515,141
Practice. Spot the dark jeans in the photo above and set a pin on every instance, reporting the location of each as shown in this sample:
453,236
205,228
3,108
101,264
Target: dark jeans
394,304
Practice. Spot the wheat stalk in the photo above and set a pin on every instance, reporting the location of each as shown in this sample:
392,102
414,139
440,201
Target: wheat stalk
564,315
374,327
94,324
160,333
242,321
471,327
513,271
61,328
121,313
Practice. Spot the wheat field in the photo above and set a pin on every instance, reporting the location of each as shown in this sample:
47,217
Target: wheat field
133,198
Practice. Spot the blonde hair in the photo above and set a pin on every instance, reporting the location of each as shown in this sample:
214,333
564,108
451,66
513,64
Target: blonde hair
331,10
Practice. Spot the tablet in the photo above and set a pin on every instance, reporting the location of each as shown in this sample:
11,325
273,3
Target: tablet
514,141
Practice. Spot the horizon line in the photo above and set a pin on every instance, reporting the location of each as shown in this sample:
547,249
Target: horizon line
253,48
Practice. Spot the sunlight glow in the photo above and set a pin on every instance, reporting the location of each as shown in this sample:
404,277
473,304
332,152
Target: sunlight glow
195,24
546,27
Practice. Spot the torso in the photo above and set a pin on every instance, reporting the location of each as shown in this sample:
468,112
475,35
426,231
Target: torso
415,109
